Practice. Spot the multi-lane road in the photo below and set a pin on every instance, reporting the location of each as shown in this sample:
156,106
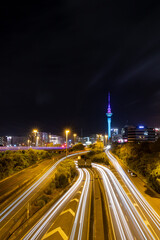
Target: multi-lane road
128,221
102,204
150,218
9,214
82,186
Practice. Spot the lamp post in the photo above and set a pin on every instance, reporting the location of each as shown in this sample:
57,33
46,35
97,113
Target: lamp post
35,131
99,136
37,142
67,131
74,135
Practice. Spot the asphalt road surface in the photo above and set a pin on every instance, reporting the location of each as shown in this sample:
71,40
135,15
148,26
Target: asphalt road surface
143,212
8,214
75,199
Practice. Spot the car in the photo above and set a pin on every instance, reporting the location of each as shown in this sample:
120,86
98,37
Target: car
133,174
129,170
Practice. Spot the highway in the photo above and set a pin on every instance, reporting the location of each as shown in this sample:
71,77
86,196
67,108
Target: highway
44,229
8,215
126,220
81,213
80,216
78,225
144,210
15,184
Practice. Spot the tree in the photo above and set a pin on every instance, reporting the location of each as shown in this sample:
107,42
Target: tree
78,147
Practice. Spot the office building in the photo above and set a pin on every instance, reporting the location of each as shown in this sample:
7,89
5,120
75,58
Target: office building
138,134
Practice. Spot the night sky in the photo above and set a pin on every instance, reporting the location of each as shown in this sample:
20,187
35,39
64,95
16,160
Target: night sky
59,59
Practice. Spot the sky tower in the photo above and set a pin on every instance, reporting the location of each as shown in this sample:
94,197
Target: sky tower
109,115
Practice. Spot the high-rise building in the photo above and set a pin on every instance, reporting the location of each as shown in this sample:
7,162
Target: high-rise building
157,132
38,139
42,139
109,115
3,141
114,131
55,139
18,141
8,141
138,134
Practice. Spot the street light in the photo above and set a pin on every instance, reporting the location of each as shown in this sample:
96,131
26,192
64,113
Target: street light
35,131
74,135
99,136
67,131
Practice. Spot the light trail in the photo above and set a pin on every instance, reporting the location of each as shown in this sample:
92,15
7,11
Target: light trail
15,204
122,207
27,148
152,217
80,214
42,226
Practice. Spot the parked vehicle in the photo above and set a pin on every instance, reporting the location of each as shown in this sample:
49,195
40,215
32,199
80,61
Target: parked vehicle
133,174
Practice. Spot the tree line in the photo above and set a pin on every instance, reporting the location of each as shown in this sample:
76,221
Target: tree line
14,161
143,158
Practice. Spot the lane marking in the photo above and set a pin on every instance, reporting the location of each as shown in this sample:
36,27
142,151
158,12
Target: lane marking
75,199
126,218
68,210
135,204
146,222
59,230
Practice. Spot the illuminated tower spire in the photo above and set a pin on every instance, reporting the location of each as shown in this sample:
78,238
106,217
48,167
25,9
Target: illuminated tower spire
109,115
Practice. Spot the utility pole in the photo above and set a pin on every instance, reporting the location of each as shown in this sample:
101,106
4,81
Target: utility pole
67,131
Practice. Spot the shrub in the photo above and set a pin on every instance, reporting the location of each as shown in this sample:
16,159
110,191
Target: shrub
48,191
40,203
100,158
65,172
61,180
11,161
78,147
142,158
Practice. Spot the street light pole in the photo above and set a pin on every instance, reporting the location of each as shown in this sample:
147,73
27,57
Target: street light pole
67,131
37,141
35,131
